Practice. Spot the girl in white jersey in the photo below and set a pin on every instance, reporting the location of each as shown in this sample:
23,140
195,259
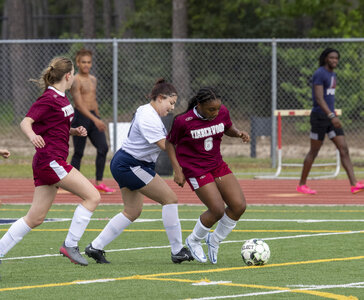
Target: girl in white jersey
133,168
193,146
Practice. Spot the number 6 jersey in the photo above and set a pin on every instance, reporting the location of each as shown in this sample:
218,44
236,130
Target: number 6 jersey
197,141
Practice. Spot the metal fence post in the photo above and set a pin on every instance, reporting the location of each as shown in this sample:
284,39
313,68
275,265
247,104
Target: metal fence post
115,89
273,149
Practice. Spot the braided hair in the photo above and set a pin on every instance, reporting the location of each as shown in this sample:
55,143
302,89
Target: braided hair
204,94
325,53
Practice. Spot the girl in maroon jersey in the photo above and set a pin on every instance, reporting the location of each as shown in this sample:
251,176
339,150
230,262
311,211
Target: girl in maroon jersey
193,146
48,127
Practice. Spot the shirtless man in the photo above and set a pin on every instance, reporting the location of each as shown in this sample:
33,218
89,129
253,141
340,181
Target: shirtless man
83,92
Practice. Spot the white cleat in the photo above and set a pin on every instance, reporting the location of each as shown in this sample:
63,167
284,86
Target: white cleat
196,250
212,249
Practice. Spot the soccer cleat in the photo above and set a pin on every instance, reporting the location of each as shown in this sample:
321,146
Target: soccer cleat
96,254
304,189
183,255
213,249
102,188
73,253
359,187
196,250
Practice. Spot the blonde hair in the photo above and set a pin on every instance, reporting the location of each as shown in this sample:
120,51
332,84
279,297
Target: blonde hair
57,68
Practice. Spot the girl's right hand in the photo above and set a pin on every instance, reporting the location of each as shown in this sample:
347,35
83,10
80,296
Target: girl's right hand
179,178
37,141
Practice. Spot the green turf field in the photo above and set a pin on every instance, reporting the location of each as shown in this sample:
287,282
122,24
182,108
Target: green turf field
316,253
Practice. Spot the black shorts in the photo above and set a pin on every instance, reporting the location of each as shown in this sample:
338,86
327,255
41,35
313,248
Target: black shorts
320,125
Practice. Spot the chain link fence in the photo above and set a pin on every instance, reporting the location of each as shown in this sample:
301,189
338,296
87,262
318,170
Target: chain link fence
254,78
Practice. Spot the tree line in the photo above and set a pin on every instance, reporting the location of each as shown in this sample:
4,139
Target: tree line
44,19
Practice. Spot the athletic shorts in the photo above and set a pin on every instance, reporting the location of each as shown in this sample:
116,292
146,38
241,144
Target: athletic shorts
52,173
320,125
130,172
197,182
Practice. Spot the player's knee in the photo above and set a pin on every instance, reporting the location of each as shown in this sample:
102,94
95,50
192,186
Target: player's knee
217,211
35,221
93,200
103,149
240,209
133,214
344,151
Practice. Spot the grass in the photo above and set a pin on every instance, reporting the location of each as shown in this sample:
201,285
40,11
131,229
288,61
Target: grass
309,260
243,167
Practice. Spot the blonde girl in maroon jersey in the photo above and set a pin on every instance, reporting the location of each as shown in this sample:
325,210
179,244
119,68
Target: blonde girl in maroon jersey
48,127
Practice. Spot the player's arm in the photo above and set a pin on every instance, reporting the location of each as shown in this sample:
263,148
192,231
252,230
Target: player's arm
179,178
26,127
4,153
96,105
319,96
81,107
234,132
162,144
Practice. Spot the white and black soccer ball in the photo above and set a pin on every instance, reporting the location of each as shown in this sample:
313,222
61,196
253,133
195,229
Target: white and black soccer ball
255,252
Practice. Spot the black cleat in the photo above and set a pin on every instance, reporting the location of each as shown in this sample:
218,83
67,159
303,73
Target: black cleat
181,256
98,255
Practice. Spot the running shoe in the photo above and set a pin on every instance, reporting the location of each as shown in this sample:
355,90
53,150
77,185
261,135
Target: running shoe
102,188
196,250
213,249
183,255
96,254
359,187
304,189
73,253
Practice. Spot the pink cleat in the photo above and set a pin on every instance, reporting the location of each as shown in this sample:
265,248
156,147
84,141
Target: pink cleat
102,188
359,187
304,189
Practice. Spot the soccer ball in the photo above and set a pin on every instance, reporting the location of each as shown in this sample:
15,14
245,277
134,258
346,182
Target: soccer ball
255,252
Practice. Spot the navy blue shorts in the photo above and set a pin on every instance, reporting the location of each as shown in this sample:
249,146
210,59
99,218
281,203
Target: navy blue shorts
130,172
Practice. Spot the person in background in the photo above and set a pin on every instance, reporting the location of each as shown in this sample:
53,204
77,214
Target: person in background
87,114
48,127
4,153
193,146
133,168
324,121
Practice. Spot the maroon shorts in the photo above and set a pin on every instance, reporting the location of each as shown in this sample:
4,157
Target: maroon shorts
51,174
197,182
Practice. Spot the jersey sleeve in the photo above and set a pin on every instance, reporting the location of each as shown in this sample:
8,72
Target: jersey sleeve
318,78
172,136
39,110
228,122
153,130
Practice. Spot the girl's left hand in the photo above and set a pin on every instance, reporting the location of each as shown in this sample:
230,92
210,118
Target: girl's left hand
244,136
79,131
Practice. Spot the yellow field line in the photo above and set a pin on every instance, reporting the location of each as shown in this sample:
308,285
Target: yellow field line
155,277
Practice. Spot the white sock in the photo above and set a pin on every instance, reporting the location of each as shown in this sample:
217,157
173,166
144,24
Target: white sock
13,236
199,232
111,231
173,226
223,228
80,220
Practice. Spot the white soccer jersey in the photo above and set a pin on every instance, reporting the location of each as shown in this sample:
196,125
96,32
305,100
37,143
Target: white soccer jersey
145,130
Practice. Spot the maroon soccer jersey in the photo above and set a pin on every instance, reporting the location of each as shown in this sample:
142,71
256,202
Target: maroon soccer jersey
197,141
52,114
